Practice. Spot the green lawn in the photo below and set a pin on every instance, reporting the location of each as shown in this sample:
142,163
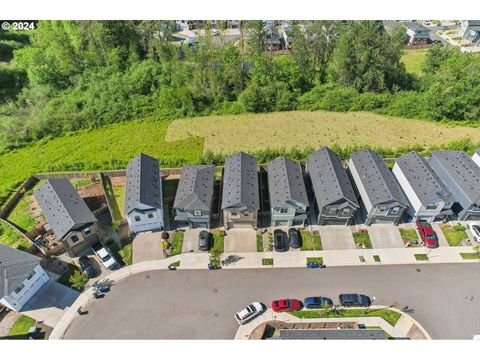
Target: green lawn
177,243
169,187
176,263
413,60
318,260
259,243
80,182
454,234
10,237
421,257
389,316
124,254
21,215
267,261
408,234
119,195
21,327
217,245
362,238
111,147
470,256
65,278
310,241
376,258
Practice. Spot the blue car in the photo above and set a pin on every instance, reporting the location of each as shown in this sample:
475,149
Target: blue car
317,302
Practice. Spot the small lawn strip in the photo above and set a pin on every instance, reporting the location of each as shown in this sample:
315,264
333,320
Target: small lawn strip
376,258
127,250
177,243
267,261
259,243
20,329
389,316
408,234
310,241
318,260
454,234
176,263
421,257
169,187
362,238
470,256
218,237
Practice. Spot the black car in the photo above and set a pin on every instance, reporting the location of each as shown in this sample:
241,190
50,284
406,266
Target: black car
280,241
354,300
86,266
203,240
294,238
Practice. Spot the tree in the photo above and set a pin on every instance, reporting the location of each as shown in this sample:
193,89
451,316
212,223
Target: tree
436,56
78,280
368,58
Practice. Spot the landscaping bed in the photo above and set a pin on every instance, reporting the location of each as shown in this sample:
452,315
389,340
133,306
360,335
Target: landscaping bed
177,243
20,329
362,239
455,235
310,241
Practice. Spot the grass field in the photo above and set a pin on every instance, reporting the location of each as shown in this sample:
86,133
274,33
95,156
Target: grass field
301,129
413,60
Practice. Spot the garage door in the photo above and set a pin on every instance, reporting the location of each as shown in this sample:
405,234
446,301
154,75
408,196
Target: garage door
199,225
281,223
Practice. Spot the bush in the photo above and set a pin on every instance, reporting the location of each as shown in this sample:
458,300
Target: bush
273,97
329,97
78,280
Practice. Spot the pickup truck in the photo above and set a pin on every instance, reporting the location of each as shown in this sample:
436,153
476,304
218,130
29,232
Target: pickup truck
104,255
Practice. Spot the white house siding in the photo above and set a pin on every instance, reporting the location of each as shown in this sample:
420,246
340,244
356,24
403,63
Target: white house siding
412,197
145,223
476,158
360,187
16,301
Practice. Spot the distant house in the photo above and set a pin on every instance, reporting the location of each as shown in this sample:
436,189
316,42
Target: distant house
72,222
193,201
476,157
21,276
272,38
428,196
462,177
288,196
382,198
470,30
240,196
335,199
143,195
417,34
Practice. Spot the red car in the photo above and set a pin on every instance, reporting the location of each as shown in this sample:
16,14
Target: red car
426,233
286,305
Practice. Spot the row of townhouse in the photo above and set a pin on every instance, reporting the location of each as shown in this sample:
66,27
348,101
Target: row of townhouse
446,185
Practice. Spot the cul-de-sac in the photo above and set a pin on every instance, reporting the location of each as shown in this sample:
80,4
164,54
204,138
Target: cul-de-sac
247,180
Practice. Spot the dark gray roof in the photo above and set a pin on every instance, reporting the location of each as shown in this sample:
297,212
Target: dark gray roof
477,151
378,181
329,178
240,182
343,334
15,265
424,181
195,189
473,23
143,185
463,170
415,26
285,182
63,207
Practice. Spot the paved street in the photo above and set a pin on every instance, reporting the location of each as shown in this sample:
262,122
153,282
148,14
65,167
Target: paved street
199,304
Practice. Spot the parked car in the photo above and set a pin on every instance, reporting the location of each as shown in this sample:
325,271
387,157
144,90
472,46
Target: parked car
317,302
249,312
203,240
294,238
104,255
354,300
426,233
279,240
283,305
474,228
86,266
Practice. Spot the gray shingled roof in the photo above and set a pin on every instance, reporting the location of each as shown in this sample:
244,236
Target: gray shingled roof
240,182
463,170
15,265
477,151
424,181
329,178
195,189
343,334
415,26
285,182
143,185
63,207
378,181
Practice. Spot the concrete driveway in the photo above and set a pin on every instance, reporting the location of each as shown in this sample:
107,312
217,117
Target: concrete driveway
147,246
336,237
190,241
240,240
49,303
385,236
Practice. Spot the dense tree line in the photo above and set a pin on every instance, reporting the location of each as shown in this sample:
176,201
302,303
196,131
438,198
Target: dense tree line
71,75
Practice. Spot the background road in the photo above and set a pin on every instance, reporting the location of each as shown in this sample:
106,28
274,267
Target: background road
200,304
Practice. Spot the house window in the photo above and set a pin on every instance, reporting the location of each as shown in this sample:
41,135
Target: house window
332,211
283,210
87,231
383,209
19,288
395,210
431,206
234,215
137,218
197,213
74,238
246,213
32,274
150,215
346,211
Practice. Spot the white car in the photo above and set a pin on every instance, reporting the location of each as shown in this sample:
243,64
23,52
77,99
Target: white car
104,255
249,312
474,228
